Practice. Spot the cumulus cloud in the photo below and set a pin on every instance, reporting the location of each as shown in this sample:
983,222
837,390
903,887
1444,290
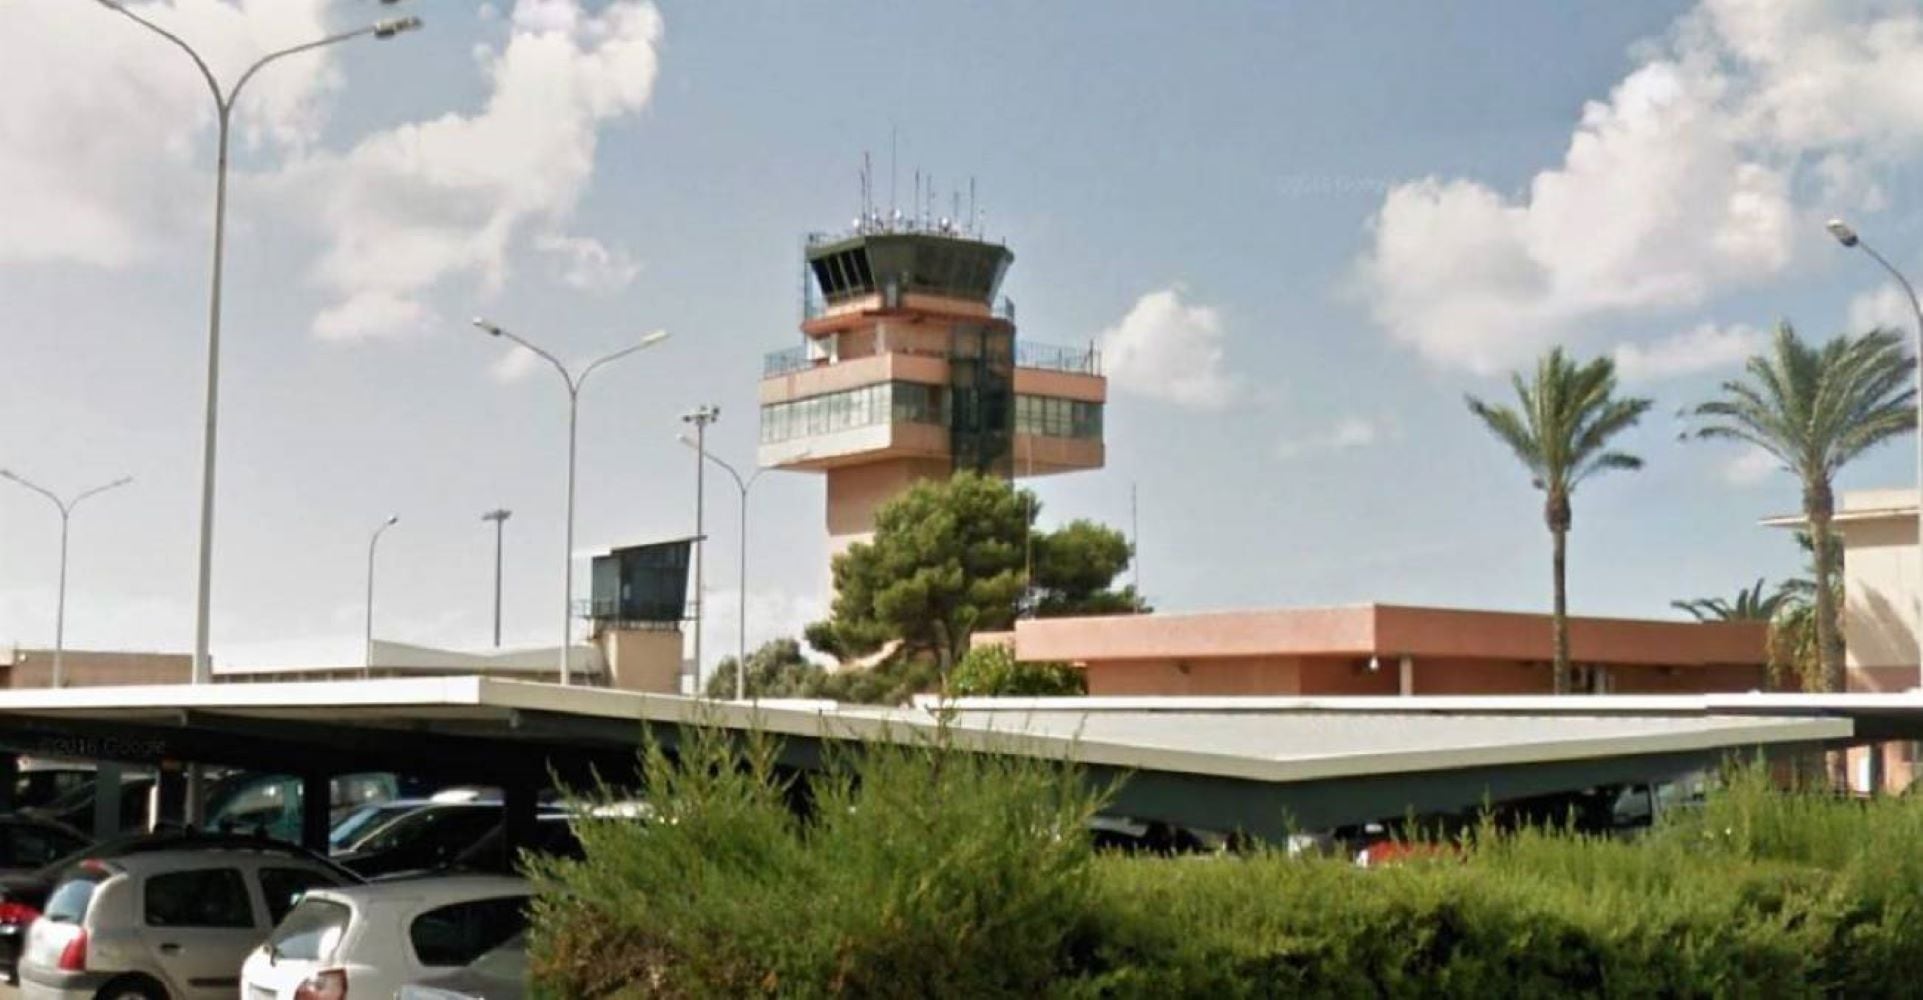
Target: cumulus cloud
424,203
588,264
1169,350
1682,184
1348,434
1750,467
1707,347
1886,307
106,127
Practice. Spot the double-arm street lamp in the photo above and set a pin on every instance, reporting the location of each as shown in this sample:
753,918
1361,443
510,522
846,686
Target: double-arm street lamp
574,383
1847,236
741,641
66,508
224,108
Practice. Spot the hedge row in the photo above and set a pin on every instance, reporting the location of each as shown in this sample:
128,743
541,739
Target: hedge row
931,872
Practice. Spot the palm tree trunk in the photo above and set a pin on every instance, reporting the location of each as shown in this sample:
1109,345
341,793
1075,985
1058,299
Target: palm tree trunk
1556,512
1820,505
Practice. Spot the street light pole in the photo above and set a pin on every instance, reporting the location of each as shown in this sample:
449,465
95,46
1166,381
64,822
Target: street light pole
701,416
392,520
223,116
574,383
741,640
1848,237
66,508
499,517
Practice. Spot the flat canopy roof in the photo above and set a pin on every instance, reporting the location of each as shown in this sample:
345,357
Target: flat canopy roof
1261,765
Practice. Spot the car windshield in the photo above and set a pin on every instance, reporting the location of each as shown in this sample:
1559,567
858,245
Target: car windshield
410,826
311,931
364,822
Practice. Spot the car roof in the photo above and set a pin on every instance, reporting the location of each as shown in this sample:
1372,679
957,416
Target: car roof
149,862
453,887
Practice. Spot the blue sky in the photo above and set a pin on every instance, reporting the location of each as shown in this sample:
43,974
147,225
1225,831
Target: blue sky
1301,233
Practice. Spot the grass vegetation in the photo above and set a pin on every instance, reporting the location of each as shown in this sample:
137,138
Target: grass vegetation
928,871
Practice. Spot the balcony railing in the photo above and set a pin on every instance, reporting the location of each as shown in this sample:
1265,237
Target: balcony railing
1050,357
783,362
1044,357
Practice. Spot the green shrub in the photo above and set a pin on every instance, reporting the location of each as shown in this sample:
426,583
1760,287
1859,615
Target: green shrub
929,871
992,671
938,872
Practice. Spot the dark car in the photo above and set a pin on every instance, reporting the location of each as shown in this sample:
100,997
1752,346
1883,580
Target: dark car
76,807
23,894
427,838
553,835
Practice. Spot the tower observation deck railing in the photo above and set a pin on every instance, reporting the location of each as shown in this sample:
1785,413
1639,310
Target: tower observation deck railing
1043,357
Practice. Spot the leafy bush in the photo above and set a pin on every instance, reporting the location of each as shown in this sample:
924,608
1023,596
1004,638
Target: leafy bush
992,670
943,873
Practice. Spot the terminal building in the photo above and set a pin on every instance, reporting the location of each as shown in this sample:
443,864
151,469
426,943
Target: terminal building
910,368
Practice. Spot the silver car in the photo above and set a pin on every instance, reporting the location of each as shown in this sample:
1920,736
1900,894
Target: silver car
171,925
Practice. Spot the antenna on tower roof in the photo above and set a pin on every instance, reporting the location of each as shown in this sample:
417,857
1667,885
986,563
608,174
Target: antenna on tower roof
974,226
915,215
892,133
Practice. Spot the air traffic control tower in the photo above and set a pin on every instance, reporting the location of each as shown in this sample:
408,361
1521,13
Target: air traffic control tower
909,369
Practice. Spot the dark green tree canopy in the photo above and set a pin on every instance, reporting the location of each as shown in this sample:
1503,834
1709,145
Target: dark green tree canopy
951,557
776,670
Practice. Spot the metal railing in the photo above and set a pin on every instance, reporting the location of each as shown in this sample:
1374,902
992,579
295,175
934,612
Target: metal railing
1050,357
786,361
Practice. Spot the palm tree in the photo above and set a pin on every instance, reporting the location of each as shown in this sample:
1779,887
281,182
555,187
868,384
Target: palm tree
1813,410
1561,431
1750,605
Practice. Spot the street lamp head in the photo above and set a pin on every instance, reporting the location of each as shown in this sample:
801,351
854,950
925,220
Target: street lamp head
501,514
654,338
1842,231
392,520
395,26
488,328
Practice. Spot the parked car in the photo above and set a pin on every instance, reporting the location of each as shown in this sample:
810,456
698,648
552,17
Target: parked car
76,807
553,835
162,925
363,821
24,894
271,803
371,940
40,780
500,974
26,845
426,839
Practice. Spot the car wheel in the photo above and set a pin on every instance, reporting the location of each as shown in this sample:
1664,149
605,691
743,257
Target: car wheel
131,989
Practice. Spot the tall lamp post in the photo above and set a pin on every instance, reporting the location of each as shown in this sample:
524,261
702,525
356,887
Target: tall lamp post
574,383
744,485
700,417
499,517
66,508
372,543
1847,236
224,109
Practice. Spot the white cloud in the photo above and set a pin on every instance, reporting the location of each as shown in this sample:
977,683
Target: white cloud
588,264
1682,185
1348,434
106,128
1886,307
1708,347
515,365
371,314
1750,468
1169,350
428,202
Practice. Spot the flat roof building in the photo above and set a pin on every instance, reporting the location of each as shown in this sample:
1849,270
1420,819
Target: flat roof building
1378,649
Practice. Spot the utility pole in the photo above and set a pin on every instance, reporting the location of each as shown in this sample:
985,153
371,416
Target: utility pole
499,517
701,416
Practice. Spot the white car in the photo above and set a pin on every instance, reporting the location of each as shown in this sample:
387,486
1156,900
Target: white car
168,925
370,940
